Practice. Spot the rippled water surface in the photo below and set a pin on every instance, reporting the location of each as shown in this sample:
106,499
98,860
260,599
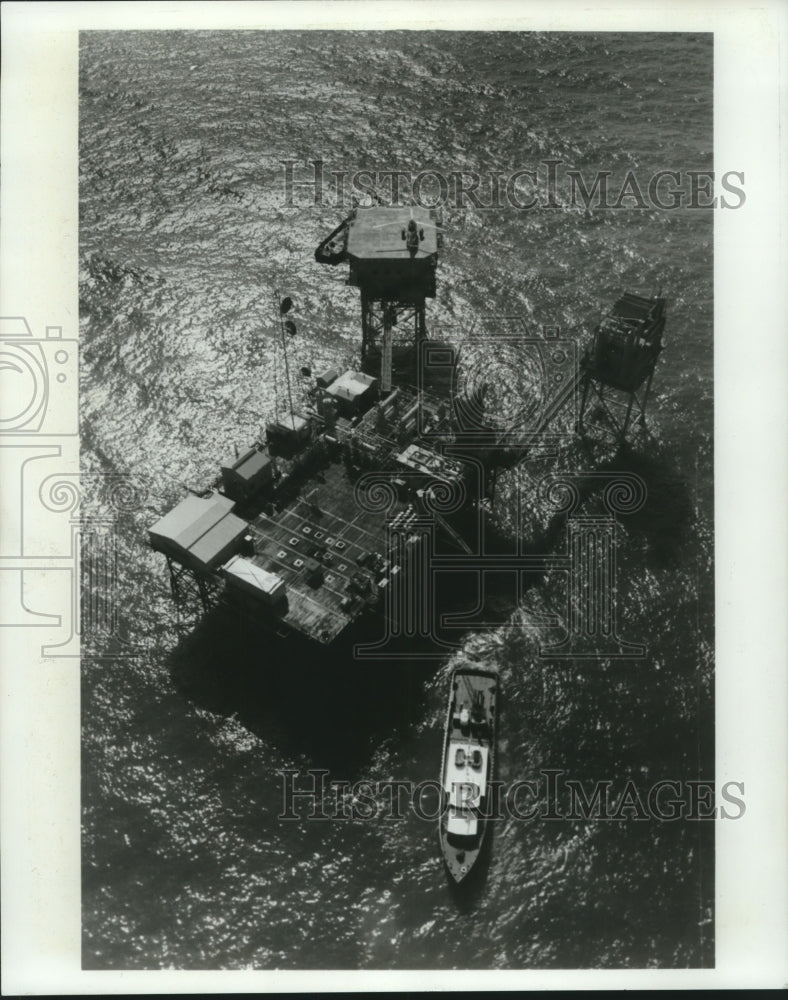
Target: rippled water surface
183,239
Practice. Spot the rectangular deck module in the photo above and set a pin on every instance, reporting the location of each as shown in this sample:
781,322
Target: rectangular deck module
199,532
627,342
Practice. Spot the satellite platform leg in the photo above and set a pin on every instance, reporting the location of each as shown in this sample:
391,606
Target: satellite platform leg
645,399
623,434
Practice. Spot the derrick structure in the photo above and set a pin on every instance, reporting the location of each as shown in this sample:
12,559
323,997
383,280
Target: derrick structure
393,254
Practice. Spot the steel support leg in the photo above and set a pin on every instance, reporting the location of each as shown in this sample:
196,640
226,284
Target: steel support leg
645,399
626,418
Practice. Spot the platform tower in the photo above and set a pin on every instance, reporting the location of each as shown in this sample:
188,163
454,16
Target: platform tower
393,255
618,365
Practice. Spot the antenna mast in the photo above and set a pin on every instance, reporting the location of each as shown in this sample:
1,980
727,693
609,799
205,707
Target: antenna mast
285,305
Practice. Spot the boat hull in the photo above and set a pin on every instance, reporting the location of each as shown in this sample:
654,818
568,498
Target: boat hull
467,768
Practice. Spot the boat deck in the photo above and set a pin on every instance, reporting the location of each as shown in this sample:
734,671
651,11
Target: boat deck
470,688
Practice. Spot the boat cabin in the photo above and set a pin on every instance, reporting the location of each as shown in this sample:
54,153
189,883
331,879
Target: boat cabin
465,785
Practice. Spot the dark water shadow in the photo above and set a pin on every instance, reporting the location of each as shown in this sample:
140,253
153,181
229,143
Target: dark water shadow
317,703
667,519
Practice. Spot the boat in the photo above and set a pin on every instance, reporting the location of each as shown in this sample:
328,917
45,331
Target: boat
467,767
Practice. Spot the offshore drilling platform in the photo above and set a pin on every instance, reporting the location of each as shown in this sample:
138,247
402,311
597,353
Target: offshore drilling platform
326,522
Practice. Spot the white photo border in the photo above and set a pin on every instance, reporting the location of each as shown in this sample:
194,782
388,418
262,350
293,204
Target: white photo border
40,842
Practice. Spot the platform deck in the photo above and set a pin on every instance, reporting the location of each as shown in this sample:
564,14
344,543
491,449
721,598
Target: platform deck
329,531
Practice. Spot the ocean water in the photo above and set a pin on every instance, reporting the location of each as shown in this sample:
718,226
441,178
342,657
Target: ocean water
184,240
